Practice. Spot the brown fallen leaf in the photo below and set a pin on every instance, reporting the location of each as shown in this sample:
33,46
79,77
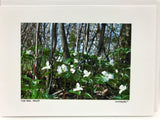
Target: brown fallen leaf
104,92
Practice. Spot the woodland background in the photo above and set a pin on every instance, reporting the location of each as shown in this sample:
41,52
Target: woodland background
75,60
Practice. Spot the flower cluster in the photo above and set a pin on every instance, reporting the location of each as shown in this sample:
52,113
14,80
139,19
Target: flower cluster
72,69
59,59
62,68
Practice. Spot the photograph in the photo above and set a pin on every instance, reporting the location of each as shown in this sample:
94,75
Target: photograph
79,61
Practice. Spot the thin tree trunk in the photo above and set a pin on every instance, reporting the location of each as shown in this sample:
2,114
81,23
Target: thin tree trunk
66,53
86,38
109,43
101,41
95,35
36,51
79,29
38,69
83,41
53,44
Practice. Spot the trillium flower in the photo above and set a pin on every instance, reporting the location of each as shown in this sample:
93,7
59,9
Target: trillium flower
106,63
107,76
72,70
75,61
59,70
75,54
71,66
116,71
78,87
64,68
111,62
86,73
47,66
99,58
122,88
59,59
28,52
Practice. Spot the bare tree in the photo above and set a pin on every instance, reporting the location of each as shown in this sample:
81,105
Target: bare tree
36,50
86,38
101,41
53,47
79,29
66,53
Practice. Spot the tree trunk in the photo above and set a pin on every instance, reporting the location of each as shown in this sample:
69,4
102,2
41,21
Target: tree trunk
66,53
79,29
125,39
101,41
53,47
95,35
86,38
36,51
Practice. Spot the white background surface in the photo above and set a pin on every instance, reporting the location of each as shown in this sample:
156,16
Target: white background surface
155,117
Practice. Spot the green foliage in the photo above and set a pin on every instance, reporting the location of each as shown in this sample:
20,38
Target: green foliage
85,69
75,92
36,89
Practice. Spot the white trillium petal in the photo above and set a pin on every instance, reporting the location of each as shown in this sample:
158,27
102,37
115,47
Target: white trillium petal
107,76
59,70
78,88
72,70
99,58
71,66
111,76
64,68
77,85
47,66
47,63
111,62
28,52
75,61
74,54
104,73
86,73
122,88
120,91
59,59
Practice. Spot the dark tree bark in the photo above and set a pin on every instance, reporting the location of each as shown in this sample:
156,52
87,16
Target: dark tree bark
53,47
54,37
101,41
95,36
109,43
79,29
66,53
125,39
36,50
86,38
38,69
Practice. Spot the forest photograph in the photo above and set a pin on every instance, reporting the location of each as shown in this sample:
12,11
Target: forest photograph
75,61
